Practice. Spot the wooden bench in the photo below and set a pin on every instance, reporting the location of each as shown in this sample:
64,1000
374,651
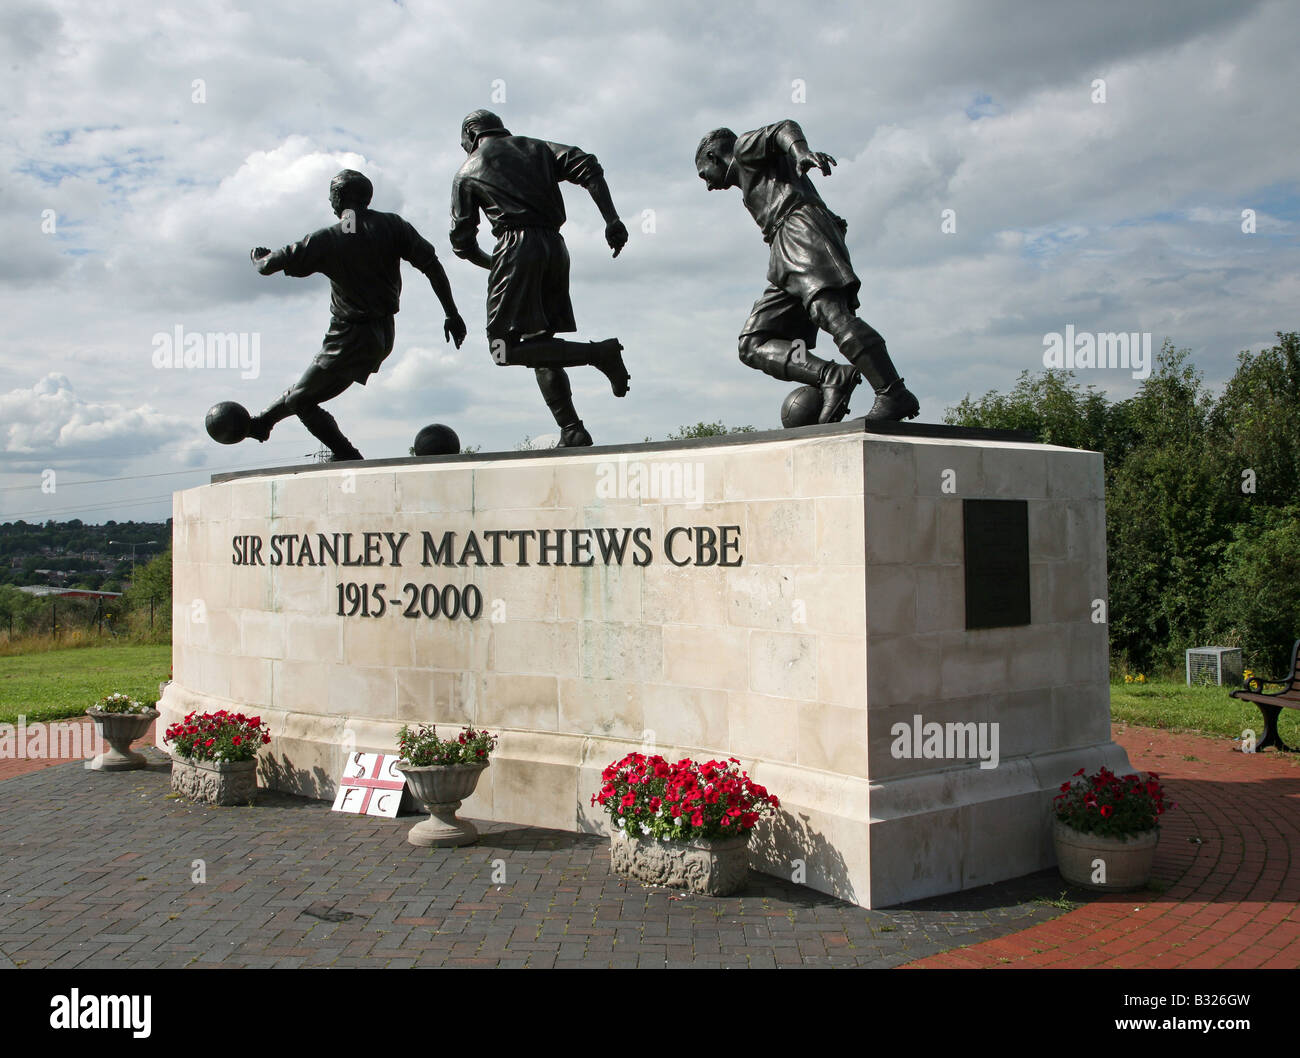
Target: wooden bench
1271,705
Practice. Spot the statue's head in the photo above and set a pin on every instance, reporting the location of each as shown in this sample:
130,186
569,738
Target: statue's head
350,190
480,123
713,157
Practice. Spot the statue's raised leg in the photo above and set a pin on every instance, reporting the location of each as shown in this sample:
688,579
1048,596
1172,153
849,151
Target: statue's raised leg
606,357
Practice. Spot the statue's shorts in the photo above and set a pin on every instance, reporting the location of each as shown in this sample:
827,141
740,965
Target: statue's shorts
808,258
356,348
528,286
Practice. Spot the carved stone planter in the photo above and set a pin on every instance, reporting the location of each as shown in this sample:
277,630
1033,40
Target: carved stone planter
119,730
708,866
440,788
215,784
1126,861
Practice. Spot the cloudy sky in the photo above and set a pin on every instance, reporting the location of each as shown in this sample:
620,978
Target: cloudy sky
1097,159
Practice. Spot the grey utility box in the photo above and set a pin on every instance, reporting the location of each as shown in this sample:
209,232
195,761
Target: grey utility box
1214,667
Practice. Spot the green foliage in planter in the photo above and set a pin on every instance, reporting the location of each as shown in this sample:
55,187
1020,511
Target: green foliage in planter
423,748
222,737
121,703
1110,805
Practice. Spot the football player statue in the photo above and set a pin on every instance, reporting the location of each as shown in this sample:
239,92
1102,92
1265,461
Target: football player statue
362,255
811,282
515,182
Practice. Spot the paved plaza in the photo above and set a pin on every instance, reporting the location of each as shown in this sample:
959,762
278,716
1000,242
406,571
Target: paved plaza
99,871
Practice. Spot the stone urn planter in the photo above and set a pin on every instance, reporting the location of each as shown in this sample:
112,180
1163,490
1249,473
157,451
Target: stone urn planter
1125,862
214,756
684,824
707,866
213,783
1105,828
119,730
440,788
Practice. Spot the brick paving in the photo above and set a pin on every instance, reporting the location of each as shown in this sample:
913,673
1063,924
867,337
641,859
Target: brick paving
1226,883
97,871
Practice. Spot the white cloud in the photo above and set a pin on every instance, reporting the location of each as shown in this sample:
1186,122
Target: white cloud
1116,216
49,422
423,381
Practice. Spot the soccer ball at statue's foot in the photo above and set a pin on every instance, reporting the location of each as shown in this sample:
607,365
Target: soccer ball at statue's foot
437,440
802,407
227,422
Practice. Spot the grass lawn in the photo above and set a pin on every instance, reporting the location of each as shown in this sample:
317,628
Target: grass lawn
1172,704
59,683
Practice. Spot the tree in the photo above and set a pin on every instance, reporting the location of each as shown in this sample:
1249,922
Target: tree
148,599
1051,405
1256,597
18,609
1256,425
1168,519
705,429
153,582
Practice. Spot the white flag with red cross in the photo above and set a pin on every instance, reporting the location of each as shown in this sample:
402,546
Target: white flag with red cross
371,785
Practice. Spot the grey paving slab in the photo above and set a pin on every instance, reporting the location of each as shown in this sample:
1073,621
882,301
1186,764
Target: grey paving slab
289,883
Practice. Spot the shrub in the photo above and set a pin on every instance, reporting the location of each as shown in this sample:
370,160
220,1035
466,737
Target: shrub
121,703
648,797
423,748
1110,805
221,737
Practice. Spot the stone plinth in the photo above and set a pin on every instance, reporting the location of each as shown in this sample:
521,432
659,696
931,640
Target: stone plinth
795,600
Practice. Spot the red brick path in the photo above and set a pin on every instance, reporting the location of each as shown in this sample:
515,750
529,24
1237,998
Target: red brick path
1228,859
15,766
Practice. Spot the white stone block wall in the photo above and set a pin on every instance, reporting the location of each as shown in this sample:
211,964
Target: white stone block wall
845,617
